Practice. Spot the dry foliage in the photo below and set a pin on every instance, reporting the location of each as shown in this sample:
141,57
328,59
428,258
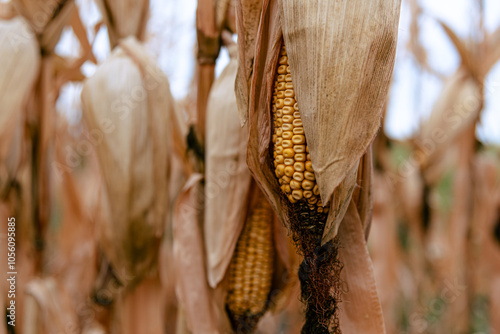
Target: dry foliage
127,103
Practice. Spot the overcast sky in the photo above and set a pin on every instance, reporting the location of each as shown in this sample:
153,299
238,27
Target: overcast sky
173,36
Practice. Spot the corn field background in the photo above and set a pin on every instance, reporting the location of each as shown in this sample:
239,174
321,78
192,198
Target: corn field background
123,164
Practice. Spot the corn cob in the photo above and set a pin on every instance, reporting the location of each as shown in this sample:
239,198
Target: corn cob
292,161
251,269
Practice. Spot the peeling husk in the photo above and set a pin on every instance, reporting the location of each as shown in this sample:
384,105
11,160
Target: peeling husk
124,18
20,61
128,103
227,175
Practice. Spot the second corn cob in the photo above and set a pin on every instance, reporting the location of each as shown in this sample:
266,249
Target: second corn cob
251,269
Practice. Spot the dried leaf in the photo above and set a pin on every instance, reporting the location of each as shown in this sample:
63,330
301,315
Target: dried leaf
363,193
248,14
47,19
469,60
493,50
456,109
361,311
81,34
124,18
227,175
192,289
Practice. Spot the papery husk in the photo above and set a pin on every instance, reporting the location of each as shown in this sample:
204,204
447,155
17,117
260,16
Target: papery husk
363,193
227,176
341,77
193,291
248,14
124,18
47,19
20,60
48,308
129,104
360,311
457,107
320,85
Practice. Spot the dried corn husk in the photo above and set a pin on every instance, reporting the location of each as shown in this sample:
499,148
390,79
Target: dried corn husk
363,193
193,291
124,18
360,311
456,109
462,97
227,175
47,19
340,97
247,22
20,60
128,102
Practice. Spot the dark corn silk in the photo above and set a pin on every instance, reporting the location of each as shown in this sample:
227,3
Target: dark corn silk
251,270
292,161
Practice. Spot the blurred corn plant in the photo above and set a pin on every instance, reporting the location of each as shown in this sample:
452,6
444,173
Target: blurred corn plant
434,220
128,104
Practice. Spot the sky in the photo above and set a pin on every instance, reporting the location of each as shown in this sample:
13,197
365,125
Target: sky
172,38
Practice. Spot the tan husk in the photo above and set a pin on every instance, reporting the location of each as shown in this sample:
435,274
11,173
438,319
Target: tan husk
192,289
457,107
360,310
128,104
247,22
124,18
227,175
47,19
20,61
363,194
